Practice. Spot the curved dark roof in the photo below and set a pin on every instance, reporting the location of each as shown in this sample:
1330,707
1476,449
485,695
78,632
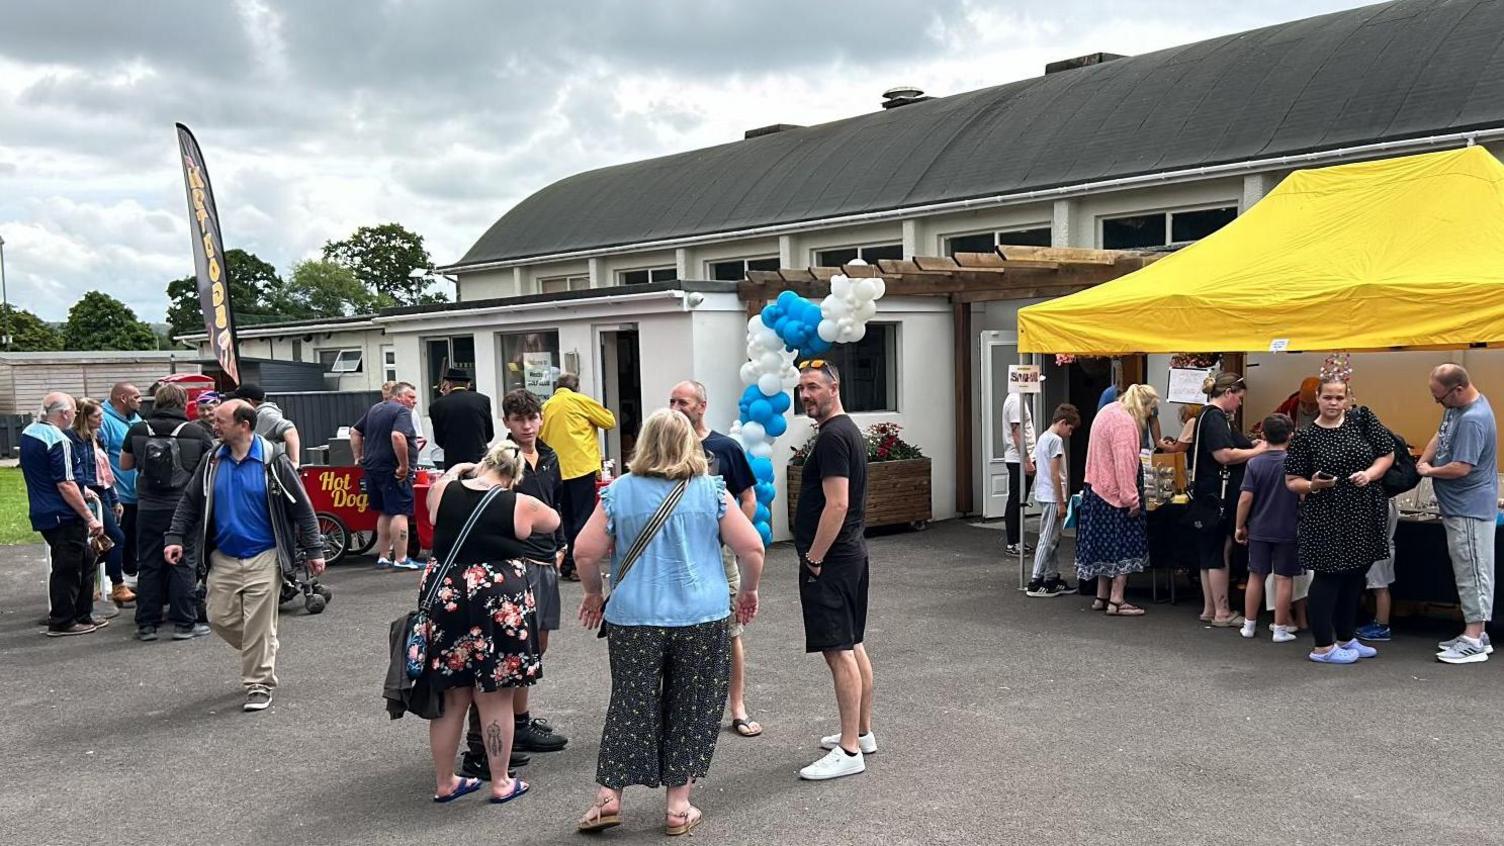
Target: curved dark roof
1404,69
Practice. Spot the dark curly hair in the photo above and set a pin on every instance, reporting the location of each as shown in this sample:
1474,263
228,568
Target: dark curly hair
521,403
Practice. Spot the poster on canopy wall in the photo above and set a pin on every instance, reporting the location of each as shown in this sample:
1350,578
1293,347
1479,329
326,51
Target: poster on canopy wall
208,257
1185,386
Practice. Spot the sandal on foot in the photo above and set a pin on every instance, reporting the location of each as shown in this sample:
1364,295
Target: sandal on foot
596,819
1233,622
691,817
466,785
1123,609
746,727
519,787
1099,604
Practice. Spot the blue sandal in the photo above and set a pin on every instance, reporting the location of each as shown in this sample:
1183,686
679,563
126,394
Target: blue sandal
519,787
466,785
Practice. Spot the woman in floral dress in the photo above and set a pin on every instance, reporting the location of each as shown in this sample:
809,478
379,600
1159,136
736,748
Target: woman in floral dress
480,640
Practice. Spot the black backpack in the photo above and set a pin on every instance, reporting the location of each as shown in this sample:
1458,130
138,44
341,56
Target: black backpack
1402,476
163,470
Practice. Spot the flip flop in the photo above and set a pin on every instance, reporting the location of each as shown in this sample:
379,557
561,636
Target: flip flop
744,727
692,817
1232,622
466,785
519,787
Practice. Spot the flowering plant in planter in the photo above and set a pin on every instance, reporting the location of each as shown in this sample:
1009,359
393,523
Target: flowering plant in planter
884,443
1195,361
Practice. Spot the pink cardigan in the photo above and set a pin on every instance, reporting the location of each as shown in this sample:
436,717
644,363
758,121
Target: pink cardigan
1112,462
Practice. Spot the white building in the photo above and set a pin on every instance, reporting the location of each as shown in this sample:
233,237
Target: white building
1104,151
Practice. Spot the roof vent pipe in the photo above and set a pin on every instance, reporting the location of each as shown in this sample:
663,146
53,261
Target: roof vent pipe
903,95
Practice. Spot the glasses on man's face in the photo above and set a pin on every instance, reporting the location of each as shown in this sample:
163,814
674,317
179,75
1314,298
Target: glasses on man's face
1444,394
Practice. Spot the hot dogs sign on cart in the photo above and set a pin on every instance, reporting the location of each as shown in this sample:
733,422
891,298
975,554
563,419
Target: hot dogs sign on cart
790,330
336,489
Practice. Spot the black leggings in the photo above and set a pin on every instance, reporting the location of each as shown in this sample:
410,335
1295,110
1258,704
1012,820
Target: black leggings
1333,606
1016,488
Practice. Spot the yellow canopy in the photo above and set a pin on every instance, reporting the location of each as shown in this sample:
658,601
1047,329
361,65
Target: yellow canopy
1405,252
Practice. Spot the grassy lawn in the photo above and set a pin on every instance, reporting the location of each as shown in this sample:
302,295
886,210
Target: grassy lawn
15,526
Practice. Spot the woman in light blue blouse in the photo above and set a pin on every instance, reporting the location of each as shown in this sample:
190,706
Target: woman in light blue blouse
670,656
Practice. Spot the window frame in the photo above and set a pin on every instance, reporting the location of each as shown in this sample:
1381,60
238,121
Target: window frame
997,236
342,354
861,249
571,283
892,355
388,363
672,271
1169,218
710,265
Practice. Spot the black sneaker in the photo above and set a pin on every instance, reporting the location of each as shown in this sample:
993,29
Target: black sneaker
538,736
1018,548
1056,586
146,633
1037,588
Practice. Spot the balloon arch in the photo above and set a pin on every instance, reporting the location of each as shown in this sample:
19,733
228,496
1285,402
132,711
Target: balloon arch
789,330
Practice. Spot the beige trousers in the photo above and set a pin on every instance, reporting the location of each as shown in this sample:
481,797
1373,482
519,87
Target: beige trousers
243,594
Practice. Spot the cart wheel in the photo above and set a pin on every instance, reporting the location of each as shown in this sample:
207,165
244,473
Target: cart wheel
326,593
315,604
919,525
288,594
361,542
336,537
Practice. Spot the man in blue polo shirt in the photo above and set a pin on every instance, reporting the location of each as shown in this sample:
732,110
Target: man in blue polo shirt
386,445
58,510
253,519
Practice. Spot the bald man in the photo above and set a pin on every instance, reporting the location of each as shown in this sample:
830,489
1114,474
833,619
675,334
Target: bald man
52,469
1462,460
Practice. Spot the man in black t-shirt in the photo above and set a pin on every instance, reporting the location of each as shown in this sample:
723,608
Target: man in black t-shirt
729,461
828,527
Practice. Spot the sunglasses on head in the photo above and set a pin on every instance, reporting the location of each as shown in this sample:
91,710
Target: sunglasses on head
815,364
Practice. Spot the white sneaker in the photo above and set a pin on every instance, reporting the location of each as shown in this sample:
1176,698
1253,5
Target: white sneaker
835,764
865,742
1250,629
1282,634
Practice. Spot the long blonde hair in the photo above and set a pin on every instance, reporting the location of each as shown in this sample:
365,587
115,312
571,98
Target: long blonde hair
81,425
1140,401
667,448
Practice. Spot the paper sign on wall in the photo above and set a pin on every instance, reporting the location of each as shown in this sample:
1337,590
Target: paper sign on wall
1023,379
1185,386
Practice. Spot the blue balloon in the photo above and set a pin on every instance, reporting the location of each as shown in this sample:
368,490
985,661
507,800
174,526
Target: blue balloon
761,412
751,395
776,425
762,468
766,492
787,300
762,515
780,402
812,317
766,531
770,314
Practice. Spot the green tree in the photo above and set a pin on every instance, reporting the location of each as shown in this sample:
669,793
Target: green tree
323,289
383,259
28,332
98,321
251,281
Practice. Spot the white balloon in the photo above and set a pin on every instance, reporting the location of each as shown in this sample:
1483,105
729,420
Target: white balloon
770,384
755,324
864,311
835,307
790,380
753,433
857,262
769,362
840,286
735,428
864,289
749,373
769,340
880,287
828,330
762,450
858,332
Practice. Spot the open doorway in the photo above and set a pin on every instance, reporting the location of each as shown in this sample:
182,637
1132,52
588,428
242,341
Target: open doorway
621,389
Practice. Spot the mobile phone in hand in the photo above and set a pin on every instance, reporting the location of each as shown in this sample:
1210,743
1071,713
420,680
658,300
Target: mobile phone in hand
1322,475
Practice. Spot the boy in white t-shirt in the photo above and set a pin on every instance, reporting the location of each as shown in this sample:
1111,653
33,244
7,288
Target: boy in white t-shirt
1050,494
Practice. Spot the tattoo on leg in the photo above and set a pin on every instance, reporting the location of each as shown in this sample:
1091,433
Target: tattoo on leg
494,741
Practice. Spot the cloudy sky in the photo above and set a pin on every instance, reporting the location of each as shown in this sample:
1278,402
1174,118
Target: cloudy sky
318,117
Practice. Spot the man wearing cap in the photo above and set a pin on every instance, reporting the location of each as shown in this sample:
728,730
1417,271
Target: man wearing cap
270,423
207,401
462,422
1301,406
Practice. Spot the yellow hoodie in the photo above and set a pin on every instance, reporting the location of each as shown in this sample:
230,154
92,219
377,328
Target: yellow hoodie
569,423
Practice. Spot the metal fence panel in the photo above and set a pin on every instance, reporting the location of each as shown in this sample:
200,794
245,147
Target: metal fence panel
320,414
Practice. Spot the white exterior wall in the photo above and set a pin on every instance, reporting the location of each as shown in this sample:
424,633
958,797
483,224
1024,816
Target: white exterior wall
280,348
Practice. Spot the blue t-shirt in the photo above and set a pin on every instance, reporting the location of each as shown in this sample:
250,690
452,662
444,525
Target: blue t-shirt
47,458
376,427
114,432
679,580
242,521
729,461
1469,435
1276,508
1108,397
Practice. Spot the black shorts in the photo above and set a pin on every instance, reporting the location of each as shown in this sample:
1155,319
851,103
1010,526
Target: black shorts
834,604
385,495
1210,543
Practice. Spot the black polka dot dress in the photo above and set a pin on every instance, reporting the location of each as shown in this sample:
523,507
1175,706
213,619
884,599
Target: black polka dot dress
1344,528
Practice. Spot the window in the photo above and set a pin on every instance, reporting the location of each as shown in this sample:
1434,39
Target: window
986,242
735,270
646,275
529,360
444,353
869,372
870,254
1161,229
560,284
342,361
297,350
388,364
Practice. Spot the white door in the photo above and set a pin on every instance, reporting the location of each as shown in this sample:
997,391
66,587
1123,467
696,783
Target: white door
999,349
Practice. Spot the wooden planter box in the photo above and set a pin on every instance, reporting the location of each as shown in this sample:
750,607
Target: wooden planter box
898,493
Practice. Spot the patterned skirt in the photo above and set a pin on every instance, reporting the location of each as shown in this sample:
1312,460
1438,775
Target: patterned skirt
1109,542
482,625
